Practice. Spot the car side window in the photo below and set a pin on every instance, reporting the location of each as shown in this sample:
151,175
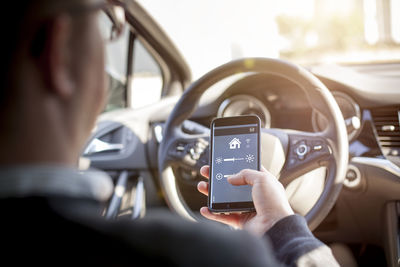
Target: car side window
116,70
145,86
147,82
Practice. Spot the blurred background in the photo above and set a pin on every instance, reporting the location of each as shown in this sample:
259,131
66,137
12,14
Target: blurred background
209,33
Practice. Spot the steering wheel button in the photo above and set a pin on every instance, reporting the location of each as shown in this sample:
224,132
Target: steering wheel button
317,147
302,150
292,161
180,148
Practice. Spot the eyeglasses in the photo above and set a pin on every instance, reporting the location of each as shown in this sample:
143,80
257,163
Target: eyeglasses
111,19
111,22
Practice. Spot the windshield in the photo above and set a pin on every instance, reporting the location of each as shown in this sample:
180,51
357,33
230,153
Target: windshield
209,33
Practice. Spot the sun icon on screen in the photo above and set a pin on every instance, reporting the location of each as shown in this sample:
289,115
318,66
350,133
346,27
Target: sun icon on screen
218,160
249,158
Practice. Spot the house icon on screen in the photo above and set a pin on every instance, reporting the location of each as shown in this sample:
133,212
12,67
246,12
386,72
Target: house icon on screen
234,143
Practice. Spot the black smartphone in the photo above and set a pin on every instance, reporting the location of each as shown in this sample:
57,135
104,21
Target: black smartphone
235,145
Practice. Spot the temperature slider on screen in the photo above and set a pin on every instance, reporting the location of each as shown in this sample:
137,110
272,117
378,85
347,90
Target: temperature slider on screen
233,159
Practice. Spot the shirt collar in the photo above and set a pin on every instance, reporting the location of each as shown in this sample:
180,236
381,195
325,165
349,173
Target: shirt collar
25,181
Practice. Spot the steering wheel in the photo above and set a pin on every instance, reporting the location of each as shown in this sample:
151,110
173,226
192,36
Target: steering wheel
300,152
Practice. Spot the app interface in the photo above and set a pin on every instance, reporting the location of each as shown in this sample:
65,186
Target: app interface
234,148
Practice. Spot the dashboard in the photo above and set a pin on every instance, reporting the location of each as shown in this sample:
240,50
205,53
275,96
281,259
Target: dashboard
372,116
281,104
273,102
372,123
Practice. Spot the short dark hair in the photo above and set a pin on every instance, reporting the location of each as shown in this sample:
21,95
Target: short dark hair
23,25
17,11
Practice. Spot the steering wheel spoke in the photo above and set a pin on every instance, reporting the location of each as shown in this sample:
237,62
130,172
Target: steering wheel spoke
188,150
306,152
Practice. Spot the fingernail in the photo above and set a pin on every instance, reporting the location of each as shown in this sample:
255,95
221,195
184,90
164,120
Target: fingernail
229,179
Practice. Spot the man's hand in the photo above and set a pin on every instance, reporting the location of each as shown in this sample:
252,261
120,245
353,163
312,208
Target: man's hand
269,200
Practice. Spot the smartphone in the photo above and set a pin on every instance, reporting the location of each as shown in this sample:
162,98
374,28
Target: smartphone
234,146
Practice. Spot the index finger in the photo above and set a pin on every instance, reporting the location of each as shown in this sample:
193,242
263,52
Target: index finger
248,177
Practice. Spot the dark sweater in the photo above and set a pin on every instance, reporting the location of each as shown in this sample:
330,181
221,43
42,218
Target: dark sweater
51,216
62,230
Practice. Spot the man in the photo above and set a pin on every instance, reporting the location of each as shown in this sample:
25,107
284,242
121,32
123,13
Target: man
52,90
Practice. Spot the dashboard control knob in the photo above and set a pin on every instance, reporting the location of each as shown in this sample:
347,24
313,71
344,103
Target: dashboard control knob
353,179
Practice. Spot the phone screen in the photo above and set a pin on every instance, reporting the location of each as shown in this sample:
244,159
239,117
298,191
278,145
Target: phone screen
235,146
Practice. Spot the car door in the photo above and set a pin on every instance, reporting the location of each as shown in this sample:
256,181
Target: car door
144,65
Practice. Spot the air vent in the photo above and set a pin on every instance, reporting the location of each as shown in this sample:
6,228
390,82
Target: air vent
386,121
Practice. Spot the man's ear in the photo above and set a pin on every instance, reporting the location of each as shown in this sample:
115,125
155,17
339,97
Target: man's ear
56,57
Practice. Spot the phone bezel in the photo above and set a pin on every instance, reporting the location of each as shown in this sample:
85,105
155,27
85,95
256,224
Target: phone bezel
232,121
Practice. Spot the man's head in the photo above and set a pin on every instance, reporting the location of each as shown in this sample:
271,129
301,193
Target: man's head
53,84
